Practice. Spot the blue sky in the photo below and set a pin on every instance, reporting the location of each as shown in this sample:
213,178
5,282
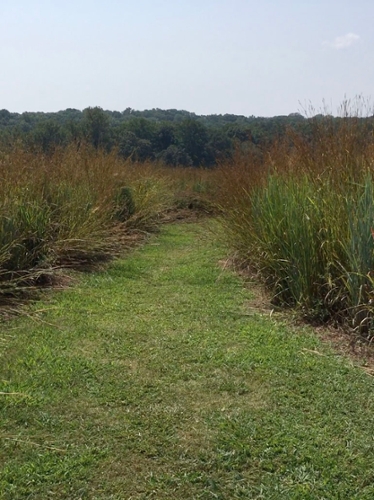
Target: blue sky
261,58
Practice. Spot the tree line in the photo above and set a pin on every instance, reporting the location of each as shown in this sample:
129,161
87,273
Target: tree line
175,137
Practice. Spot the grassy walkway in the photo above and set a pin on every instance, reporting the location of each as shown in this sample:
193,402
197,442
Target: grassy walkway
155,380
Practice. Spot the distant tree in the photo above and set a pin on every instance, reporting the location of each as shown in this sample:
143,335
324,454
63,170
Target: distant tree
141,127
238,132
220,145
115,114
130,146
164,136
127,112
175,156
96,127
194,138
144,150
74,131
47,135
128,143
297,116
5,117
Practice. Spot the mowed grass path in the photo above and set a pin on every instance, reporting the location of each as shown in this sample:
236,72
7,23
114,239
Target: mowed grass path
155,379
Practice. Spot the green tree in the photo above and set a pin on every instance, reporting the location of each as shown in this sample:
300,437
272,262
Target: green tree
164,136
96,126
47,135
175,156
142,128
127,144
194,139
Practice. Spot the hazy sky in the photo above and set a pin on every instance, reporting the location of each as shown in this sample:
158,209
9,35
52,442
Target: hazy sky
247,57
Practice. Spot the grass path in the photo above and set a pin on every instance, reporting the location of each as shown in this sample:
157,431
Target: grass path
155,380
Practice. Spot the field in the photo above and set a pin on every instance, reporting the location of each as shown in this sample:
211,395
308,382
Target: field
297,212
144,369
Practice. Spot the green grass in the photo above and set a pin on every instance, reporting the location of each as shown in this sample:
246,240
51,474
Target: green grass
300,213
311,244
155,379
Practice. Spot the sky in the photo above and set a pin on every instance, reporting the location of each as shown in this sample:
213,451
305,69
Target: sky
261,58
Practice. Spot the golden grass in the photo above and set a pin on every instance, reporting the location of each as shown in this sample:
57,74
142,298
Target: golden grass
76,205
301,214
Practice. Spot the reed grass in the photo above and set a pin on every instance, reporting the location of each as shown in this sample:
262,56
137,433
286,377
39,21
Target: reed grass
302,216
73,207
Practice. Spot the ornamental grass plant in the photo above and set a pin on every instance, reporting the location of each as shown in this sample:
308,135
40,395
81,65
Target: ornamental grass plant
301,214
70,207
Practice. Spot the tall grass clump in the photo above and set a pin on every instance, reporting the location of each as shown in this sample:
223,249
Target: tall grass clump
70,207
304,221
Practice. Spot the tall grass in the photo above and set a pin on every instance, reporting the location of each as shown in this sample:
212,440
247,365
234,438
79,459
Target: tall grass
71,207
303,218
76,205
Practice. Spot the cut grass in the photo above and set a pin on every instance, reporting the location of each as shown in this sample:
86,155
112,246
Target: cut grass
154,380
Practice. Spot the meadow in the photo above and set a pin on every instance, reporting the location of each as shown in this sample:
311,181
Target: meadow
154,374
297,212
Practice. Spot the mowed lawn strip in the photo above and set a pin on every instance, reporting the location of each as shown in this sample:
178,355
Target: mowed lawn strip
154,379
